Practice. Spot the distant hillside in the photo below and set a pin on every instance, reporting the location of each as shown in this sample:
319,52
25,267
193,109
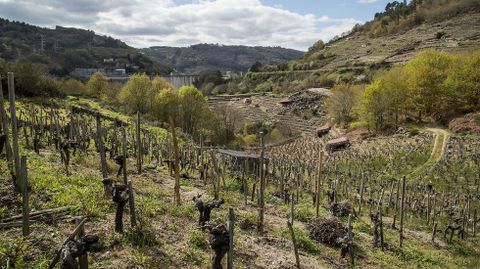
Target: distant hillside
394,36
62,49
201,57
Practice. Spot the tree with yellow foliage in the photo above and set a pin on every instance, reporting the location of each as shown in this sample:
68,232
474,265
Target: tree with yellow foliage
424,78
97,85
137,94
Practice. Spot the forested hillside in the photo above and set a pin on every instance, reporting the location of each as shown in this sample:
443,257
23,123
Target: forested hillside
202,57
61,49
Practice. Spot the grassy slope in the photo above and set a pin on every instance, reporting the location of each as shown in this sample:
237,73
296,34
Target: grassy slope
167,236
351,57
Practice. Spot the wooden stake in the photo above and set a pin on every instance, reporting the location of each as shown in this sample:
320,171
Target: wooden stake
139,145
261,201
361,196
402,209
395,210
176,188
319,180
13,118
3,114
294,241
131,202
380,216
124,147
231,227
245,182
101,148
350,239
26,209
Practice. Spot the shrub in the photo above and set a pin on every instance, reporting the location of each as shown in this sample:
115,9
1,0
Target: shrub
73,87
266,86
250,139
440,34
275,135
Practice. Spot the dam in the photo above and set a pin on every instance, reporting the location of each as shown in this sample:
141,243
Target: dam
180,80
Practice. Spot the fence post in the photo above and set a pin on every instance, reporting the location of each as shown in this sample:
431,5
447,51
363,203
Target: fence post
402,209
261,201
294,241
319,180
176,187
139,145
3,114
25,208
360,203
133,221
13,118
101,148
350,239
231,227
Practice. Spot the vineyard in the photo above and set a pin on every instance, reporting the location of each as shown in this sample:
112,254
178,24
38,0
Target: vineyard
84,186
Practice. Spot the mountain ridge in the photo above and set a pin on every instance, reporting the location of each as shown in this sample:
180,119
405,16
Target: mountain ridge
201,57
62,49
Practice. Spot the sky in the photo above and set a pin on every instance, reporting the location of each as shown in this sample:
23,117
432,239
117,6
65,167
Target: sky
295,24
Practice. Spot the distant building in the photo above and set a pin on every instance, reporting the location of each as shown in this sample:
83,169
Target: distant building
232,75
87,72
117,72
115,75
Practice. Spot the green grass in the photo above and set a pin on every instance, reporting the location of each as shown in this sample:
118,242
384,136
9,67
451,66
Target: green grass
192,256
197,239
303,239
160,221
82,191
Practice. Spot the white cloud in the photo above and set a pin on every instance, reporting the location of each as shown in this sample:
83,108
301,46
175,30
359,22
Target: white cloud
164,22
367,1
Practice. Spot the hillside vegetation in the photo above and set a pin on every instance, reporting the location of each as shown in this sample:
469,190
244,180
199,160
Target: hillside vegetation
202,57
65,49
393,37
435,86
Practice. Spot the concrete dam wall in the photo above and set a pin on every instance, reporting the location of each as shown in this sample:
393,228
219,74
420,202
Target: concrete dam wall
178,81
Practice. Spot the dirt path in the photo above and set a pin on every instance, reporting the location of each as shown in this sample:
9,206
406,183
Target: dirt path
441,140
439,146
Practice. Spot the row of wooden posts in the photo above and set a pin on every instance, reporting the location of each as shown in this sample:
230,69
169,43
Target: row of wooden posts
18,168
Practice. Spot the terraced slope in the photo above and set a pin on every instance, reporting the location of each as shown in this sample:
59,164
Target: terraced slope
292,119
